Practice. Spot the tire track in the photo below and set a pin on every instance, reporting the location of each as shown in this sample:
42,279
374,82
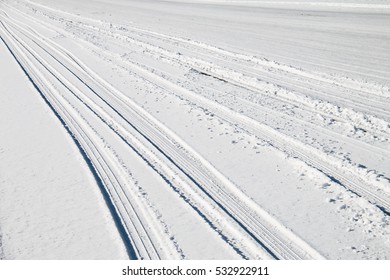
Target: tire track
105,167
339,171
332,167
196,170
248,218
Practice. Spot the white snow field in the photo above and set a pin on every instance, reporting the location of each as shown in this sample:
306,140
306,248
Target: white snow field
194,129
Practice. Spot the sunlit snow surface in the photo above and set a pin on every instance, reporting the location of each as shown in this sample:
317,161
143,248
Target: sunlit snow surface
189,129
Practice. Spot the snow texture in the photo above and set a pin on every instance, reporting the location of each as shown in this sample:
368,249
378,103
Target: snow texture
194,129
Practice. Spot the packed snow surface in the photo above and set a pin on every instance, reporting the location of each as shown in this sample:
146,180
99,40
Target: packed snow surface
184,129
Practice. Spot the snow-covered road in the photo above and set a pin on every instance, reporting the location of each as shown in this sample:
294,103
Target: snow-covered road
220,129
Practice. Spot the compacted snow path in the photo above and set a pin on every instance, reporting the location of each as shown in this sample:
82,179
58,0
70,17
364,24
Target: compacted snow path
208,151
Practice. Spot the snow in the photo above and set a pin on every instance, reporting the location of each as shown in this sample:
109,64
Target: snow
50,205
201,129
